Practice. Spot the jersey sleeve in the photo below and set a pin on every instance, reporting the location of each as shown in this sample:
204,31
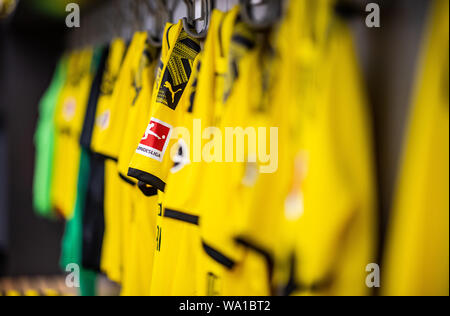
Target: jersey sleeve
151,162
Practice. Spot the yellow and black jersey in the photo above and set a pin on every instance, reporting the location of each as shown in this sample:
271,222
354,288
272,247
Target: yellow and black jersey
112,103
230,109
151,162
231,265
292,75
69,118
244,268
143,81
106,100
179,58
138,210
182,194
142,210
317,155
139,227
111,246
113,113
178,226
336,234
417,254
176,255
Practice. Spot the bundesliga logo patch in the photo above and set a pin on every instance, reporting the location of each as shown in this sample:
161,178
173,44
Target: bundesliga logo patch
155,140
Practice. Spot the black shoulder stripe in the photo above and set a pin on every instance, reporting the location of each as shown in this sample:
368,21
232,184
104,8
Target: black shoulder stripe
188,218
147,178
219,257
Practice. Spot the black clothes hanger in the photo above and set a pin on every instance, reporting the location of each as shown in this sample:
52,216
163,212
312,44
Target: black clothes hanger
160,14
274,9
126,11
190,22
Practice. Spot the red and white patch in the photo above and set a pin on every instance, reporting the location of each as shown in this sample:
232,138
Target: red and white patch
155,140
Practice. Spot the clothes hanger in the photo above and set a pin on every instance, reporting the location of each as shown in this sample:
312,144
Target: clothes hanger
116,19
160,15
127,11
349,10
138,23
190,22
274,9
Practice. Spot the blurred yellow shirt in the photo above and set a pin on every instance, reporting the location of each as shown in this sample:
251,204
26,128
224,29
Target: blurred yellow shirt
417,250
69,118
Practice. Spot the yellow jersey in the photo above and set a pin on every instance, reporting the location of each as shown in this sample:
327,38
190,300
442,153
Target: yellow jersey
182,246
118,94
69,118
232,265
417,252
138,210
336,226
170,94
151,162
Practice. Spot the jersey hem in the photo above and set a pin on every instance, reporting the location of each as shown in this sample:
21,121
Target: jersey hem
147,178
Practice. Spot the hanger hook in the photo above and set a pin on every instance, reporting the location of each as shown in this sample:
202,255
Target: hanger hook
274,12
156,39
189,22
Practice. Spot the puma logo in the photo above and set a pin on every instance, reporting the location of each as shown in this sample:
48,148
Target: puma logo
149,132
169,86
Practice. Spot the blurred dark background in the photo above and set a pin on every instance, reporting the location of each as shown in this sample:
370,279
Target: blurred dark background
34,38
30,45
31,42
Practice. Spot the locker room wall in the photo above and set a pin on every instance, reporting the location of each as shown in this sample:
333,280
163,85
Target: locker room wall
28,54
